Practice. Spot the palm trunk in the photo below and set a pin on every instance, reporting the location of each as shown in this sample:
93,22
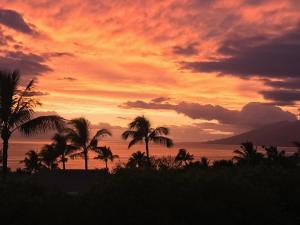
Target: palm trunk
147,152
85,159
4,156
106,165
63,161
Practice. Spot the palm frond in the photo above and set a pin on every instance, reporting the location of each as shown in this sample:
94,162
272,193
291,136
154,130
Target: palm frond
128,133
133,142
163,141
102,133
42,124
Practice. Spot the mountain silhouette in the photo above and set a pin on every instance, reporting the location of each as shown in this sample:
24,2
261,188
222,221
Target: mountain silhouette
279,134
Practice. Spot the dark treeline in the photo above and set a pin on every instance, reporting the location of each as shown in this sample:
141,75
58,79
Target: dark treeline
254,187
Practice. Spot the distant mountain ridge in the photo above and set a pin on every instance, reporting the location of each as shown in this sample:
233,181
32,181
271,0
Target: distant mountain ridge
279,134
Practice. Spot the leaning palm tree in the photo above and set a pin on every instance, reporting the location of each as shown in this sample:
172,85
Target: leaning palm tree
140,131
248,154
60,143
49,156
81,137
105,154
137,160
32,161
17,107
183,157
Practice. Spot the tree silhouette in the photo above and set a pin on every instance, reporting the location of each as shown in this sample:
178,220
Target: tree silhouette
183,157
137,160
248,155
105,154
274,156
60,143
32,162
140,131
16,111
80,136
49,157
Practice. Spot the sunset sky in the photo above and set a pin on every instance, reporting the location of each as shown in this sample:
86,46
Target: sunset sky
205,68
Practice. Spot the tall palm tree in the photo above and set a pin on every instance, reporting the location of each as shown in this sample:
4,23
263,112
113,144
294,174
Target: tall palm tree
32,161
49,156
137,160
81,137
248,154
60,142
17,107
105,154
184,157
140,131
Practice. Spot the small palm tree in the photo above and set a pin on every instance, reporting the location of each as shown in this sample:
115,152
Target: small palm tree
60,142
32,162
80,136
105,154
140,131
183,157
248,154
49,157
16,111
137,160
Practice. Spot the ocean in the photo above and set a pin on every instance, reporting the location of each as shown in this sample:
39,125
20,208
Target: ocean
17,150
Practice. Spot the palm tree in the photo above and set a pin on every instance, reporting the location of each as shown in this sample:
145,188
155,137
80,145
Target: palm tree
105,154
184,157
60,142
273,155
137,160
140,131
32,162
49,156
248,154
80,136
16,111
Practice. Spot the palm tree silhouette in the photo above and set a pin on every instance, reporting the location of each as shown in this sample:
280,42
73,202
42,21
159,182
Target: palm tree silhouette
248,154
140,131
32,162
105,154
80,136
49,156
60,142
183,157
16,111
137,160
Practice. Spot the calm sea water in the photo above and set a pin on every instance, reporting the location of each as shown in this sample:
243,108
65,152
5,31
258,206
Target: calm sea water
211,151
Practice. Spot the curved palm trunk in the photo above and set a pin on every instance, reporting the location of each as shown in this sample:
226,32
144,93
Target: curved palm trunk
63,161
106,167
4,156
85,159
147,152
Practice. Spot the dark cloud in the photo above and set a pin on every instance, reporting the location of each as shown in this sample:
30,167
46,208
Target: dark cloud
256,56
160,99
58,54
14,20
36,93
188,50
68,78
27,63
251,115
282,97
283,92
289,83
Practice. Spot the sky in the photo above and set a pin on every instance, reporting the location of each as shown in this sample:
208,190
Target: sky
205,68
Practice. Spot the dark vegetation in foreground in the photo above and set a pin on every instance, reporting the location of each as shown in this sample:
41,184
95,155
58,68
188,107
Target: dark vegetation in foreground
252,188
215,195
